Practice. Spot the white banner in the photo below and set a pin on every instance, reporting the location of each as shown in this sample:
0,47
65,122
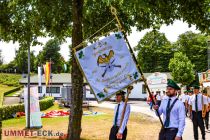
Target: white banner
157,78
40,76
35,114
108,65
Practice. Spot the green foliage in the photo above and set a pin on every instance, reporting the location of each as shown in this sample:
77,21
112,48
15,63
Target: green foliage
154,52
182,69
24,21
10,79
8,111
51,52
13,90
21,60
195,47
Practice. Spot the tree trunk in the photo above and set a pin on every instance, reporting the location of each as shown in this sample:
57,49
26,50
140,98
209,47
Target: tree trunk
74,129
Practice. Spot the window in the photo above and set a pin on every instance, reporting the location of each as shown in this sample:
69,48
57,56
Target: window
53,90
144,89
39,89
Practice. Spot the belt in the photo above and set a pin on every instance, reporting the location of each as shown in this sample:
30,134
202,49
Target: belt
197,111
171,129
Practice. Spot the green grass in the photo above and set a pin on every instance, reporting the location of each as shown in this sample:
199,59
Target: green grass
12,94
140,127
10,79
4,88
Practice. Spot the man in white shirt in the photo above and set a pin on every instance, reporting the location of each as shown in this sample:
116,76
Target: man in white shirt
184,98
206,119
158,98
173,111
196,107
116,131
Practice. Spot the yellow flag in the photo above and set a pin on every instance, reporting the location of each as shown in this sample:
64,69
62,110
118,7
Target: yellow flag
47,73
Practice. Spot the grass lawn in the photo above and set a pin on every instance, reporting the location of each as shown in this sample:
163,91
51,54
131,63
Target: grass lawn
13,94
140,127
4,88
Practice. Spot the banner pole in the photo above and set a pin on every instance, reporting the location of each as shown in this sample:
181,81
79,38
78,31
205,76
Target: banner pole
124,108
120,26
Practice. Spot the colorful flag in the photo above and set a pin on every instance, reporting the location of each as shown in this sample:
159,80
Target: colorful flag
40,76
47,73
35,114
108,66
65,67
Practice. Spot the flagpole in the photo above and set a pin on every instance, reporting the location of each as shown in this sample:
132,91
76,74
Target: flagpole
120,26
29,113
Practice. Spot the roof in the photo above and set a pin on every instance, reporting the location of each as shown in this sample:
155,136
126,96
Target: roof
65,78
62,78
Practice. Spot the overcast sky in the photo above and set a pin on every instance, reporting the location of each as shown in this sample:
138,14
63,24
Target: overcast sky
172,32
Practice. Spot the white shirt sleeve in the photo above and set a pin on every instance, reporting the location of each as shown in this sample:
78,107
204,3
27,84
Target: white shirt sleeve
125,120
160,109
181,120
190,102
205,100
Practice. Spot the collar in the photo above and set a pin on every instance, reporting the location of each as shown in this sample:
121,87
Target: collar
120,103
172,98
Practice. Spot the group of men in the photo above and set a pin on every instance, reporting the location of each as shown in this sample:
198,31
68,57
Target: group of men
173,111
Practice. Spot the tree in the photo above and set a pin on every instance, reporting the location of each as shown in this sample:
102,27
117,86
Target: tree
154,52
51,52
1,58
24,20
21,59
182,69
195,47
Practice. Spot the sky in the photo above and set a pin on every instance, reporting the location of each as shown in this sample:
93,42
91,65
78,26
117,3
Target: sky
172,32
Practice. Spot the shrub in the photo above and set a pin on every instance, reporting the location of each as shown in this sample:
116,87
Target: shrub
6,112
13,90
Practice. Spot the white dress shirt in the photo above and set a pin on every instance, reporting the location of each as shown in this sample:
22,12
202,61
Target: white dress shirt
209,100
158,97
183,98
199,102
126,116
177,114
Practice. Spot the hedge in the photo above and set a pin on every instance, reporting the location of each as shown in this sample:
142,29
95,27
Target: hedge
13,90
6,93
6,112
1,99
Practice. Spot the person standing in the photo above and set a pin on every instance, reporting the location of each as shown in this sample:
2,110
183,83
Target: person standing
196,107
183,99
117,133
173,111
158,98
206,119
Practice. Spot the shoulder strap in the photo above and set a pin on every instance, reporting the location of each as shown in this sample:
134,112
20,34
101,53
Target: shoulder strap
173,104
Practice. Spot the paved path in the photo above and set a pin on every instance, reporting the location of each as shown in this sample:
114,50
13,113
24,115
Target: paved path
142,107
11,100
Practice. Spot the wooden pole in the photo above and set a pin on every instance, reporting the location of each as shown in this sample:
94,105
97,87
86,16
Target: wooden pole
120,26
124,108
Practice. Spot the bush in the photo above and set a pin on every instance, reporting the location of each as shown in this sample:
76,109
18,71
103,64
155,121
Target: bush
13,90
10,79
6,112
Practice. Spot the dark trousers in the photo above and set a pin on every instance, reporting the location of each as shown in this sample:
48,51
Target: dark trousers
114,131
158,102
207,120
198,122
168,133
